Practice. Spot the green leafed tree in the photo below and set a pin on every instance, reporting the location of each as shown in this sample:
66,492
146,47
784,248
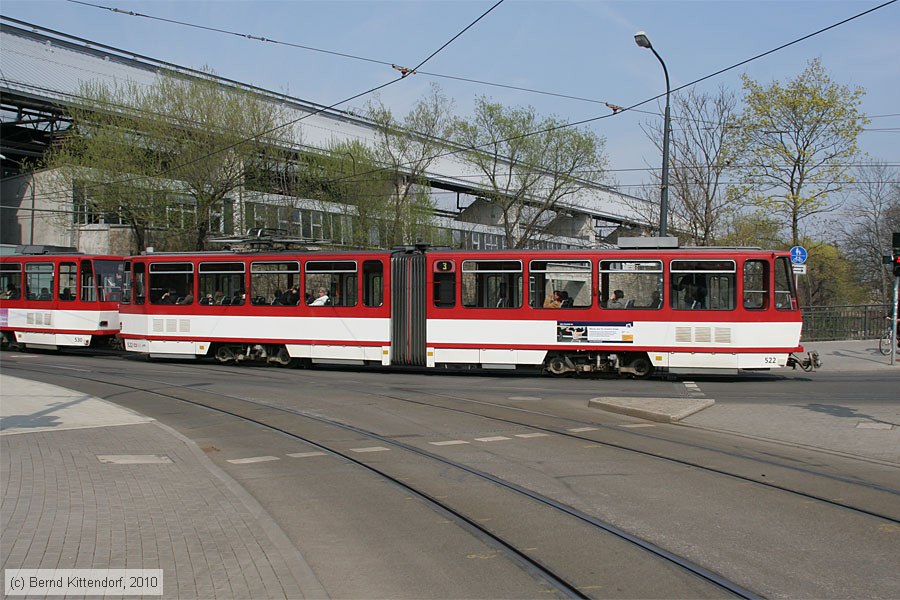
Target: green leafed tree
404,150
800,137
831,278
530,165
165,158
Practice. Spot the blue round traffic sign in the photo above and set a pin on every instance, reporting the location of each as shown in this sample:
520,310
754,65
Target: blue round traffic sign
798,255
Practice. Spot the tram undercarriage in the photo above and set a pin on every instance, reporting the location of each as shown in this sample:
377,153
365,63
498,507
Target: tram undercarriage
273,354
559,364
636,364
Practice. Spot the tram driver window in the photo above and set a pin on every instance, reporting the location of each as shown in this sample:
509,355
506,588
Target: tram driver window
703,284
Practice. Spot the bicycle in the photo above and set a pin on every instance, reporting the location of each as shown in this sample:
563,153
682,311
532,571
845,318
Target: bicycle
887,340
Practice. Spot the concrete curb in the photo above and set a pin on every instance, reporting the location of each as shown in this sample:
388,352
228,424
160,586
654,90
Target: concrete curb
661,410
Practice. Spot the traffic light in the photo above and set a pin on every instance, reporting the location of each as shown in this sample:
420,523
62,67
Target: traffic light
896,245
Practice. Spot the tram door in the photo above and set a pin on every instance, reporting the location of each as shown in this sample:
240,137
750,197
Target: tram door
408,309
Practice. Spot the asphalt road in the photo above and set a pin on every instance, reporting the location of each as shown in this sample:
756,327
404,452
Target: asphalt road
364,537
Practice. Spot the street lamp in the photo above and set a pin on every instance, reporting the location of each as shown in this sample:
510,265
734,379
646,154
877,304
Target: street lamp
641,39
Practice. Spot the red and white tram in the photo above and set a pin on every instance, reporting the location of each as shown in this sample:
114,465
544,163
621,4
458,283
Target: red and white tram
63,299
621,310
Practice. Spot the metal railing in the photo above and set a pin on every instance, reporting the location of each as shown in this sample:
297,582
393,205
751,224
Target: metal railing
851,322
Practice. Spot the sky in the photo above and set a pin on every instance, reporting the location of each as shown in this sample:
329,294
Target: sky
584,49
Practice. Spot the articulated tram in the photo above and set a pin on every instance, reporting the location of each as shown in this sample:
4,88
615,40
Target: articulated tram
625,310
52,298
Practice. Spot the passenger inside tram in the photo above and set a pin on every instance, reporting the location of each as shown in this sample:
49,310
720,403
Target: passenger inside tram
11,293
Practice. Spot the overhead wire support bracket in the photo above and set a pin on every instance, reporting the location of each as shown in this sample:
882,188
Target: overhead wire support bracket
404,71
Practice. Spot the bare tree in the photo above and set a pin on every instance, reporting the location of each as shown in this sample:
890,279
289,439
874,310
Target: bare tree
871,213
703,147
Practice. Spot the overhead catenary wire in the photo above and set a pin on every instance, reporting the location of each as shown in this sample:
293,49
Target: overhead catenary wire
313,113
418,71
347,55
544,130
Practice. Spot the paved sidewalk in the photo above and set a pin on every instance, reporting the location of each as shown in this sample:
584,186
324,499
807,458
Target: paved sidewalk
90,485
853,355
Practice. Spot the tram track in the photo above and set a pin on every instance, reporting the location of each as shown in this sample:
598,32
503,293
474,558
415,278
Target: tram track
802,477
529,418
559,424
796,469
249,412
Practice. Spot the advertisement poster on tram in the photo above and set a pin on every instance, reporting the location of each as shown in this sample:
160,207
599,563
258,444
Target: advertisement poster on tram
592,332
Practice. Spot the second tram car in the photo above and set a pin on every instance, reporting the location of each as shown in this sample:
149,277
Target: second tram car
622,310
53,298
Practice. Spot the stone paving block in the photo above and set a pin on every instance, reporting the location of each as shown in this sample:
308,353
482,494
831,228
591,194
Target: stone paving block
61,507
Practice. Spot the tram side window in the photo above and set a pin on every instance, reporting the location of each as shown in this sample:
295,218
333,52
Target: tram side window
444,292
785,294
275,283
10,281
39,281
337,279
111,280
68,281
703,284
88,291
492,283
373,283
632,284
756,285
571,280
138,281
220,282
172,283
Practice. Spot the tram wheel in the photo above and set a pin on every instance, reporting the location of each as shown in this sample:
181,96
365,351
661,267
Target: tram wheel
641,366
558,366
225,355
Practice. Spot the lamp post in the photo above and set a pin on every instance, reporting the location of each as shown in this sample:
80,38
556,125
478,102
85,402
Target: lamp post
641,39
